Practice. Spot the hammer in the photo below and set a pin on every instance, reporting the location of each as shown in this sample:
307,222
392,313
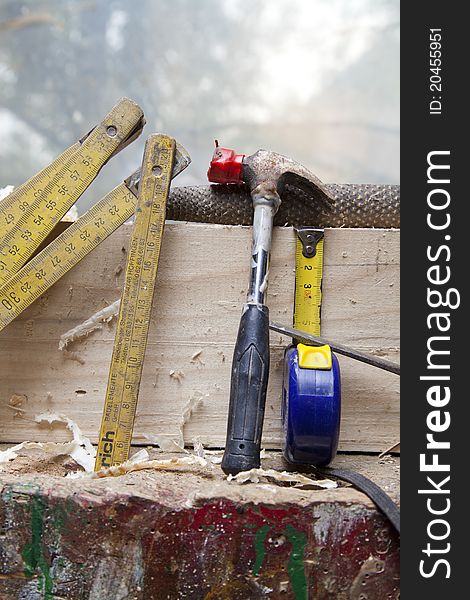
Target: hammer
266,174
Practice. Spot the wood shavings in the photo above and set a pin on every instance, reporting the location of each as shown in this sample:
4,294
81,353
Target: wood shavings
83,451
198,448
52,448
178,375
165,464
196,357
11,453
172,444
164,443
15,403
19,412
105,315
213,456
73,356
17,399
140,456
195,400
258,475
393,447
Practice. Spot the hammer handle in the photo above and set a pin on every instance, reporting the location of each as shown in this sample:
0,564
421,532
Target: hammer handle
250,368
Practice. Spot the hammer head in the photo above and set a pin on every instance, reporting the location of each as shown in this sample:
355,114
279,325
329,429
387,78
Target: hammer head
266,173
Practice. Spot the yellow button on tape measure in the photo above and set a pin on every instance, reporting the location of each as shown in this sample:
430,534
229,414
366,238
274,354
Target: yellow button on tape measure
308,280
314,357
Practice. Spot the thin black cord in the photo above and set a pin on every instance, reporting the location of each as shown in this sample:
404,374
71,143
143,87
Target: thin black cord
371,489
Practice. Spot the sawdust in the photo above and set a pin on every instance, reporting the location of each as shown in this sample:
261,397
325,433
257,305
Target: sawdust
82,450
40,462
37,455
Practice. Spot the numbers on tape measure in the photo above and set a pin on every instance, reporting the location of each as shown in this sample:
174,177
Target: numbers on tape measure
308,293
73,244
136,303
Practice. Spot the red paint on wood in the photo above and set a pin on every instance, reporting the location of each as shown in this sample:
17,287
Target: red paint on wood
97,547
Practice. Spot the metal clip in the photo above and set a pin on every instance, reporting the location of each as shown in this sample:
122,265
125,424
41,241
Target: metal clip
309,238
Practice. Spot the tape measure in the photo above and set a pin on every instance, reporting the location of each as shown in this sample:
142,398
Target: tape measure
73,244
308,279
30,212
311,395
134,317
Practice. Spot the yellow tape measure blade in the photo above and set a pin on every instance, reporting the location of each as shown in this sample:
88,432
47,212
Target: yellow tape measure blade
136,304
308,284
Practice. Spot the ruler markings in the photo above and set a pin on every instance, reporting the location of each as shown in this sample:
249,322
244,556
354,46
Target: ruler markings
136,303
71,246
308,293
45,206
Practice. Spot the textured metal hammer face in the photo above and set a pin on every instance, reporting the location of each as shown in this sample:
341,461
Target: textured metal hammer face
267,173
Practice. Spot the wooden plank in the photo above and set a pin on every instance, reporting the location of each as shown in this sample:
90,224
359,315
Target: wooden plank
201,286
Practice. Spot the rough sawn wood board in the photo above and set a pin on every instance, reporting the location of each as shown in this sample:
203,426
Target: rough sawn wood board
202,281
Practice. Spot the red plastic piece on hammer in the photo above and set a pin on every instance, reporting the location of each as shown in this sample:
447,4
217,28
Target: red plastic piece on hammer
226,166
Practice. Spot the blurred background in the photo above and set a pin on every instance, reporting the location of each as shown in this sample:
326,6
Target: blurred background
317,80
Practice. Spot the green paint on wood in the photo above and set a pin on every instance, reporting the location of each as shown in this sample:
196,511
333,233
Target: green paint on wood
295,568
260,538
59,517
32,553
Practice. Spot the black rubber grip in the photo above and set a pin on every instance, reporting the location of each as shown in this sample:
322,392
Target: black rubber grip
250,369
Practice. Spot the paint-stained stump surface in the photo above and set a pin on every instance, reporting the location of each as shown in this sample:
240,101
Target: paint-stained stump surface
191,534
